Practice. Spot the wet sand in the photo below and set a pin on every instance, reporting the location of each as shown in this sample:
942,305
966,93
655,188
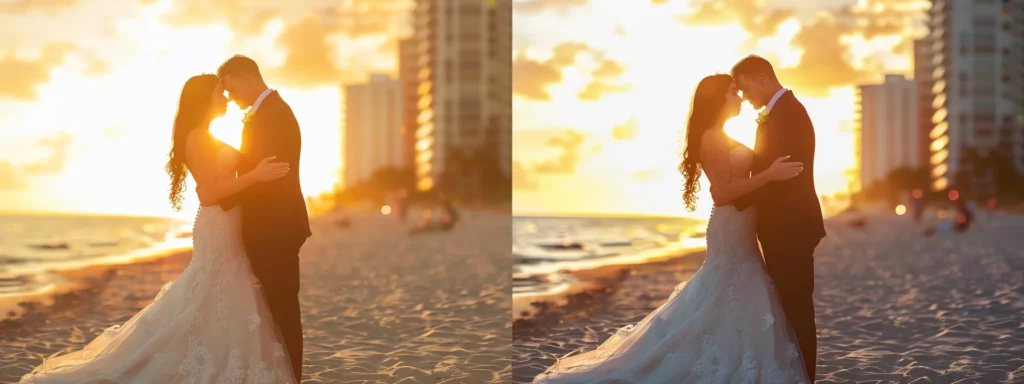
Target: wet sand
892,305
378,305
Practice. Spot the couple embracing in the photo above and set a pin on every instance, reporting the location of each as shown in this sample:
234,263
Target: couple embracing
744,317
233,314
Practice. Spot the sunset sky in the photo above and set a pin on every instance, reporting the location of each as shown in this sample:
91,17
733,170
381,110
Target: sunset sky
602,88
88,91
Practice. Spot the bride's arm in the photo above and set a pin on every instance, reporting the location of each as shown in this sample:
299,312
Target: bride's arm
210,186
725,189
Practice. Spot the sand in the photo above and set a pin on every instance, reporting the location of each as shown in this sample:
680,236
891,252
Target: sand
892,305
378,305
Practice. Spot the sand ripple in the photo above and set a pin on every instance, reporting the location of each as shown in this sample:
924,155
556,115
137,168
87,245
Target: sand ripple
378,306
892,306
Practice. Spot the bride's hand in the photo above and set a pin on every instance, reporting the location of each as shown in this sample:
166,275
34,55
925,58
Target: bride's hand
784,170
268,170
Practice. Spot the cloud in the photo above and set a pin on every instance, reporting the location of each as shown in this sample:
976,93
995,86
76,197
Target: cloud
522,178
20,77
609,69
751,14
308,62
533,7
626,131
647,174
570,143
57,158
240,18
14,177
597,89
600,86
311,34
530,78
825,62
10,177
824,66
357,18
24,6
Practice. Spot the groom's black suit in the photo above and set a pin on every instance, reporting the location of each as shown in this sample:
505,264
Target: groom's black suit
789,222
274,219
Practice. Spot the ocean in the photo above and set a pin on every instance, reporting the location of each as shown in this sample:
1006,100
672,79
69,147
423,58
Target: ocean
34,247
546,250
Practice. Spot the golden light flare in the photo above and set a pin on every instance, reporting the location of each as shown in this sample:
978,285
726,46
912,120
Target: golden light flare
638,173
119,120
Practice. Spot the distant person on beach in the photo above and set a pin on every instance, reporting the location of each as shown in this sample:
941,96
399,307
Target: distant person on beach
917,204
729,324
449,217
232,315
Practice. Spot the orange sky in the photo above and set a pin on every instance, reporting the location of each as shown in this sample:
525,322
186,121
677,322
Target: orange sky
602,88
88,91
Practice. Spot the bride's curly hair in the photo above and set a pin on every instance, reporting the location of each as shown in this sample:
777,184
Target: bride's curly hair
194,112
705,113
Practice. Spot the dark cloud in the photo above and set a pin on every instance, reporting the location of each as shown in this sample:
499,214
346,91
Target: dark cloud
20,77
522,178
533,7
570,143
825,60
23,6
626,131
57,159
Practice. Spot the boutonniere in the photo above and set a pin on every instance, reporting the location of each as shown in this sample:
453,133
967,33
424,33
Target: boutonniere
248,116
763,116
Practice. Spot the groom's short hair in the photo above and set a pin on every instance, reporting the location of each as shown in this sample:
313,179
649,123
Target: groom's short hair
239,65
753,65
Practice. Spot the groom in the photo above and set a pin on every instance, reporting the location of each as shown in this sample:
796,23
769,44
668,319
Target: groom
789,223
274,219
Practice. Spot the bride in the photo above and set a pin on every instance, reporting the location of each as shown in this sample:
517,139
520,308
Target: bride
726,324
211,325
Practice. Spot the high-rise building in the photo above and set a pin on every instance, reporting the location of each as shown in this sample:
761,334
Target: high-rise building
978,90
408,77
923,69
464,89
373,113
889,137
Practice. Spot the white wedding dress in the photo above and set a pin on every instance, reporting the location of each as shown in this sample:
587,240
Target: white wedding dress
723,326
211,325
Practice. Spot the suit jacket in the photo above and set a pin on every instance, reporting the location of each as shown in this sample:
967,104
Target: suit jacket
787,210
273,211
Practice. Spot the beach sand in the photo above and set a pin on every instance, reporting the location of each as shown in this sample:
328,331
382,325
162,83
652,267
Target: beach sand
892,305
378,305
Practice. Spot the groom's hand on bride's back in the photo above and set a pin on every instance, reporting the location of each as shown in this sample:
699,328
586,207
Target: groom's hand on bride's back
714,194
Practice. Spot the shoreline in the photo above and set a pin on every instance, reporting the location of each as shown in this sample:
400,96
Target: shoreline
593,283
892,304
77,288
377,304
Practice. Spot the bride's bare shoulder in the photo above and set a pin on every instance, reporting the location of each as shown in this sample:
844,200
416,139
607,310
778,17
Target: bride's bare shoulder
717,139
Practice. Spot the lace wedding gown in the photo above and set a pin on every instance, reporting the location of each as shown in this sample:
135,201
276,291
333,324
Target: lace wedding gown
723,326
211,325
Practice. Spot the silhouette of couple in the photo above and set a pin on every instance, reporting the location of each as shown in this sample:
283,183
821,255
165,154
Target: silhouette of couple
233,314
